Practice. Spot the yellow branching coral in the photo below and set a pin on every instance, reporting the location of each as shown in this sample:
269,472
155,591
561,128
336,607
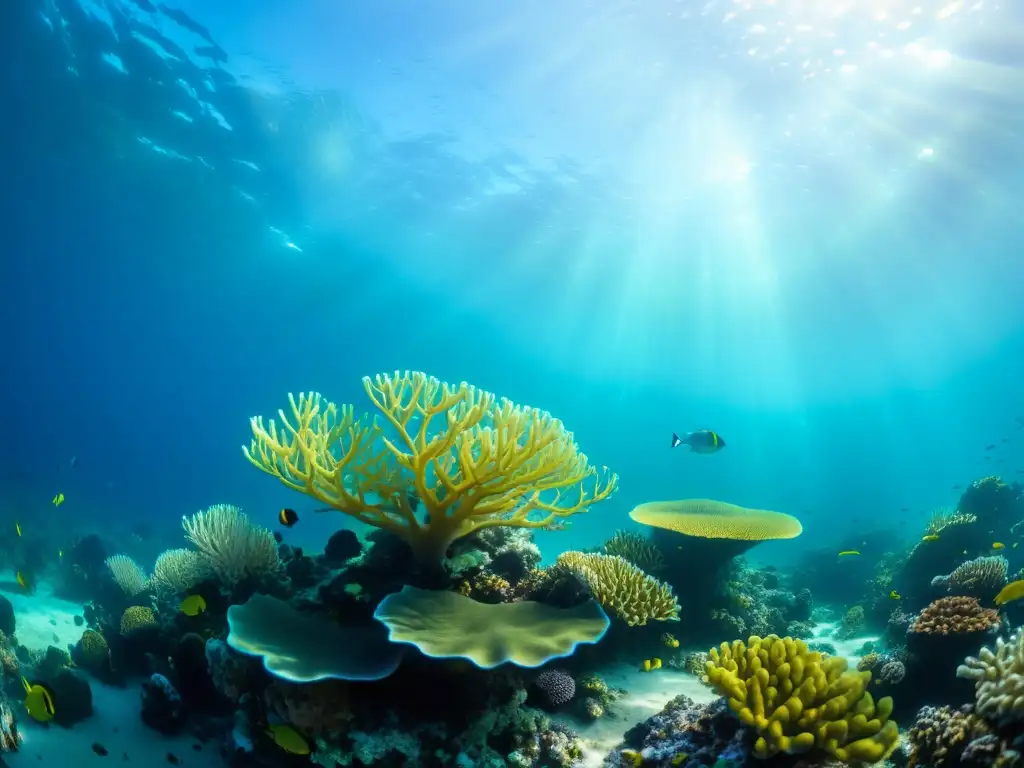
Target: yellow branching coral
622,588
473,460
798,701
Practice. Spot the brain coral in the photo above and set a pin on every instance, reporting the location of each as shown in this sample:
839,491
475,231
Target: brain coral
798,701
999,680
621,587
955,616
136,618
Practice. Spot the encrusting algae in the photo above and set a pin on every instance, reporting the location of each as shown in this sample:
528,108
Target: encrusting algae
798,701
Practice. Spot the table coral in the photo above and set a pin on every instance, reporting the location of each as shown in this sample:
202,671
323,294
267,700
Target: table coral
798,701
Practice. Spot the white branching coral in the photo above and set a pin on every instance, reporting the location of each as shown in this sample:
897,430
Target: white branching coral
127,574
998,680
232,547
178,570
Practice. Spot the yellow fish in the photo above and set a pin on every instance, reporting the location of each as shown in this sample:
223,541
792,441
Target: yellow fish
847,552
17,527
193,605
930,537
998,545
655,663
646,666
894,595
23,581
288,739
38,701
1012,591
58,500
669,640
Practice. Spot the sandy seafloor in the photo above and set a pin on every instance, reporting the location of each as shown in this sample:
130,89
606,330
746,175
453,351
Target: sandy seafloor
43,620
648,692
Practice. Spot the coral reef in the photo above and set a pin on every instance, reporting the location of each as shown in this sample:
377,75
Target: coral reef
797,701
490,464
954,616
622,588
852,623
635,548
229,545
940,735
981,577
999,680
556,687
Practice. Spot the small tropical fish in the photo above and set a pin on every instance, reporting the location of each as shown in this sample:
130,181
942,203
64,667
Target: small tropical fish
193,605
990,446
655,663
669,640
848,552
998,545
287,517
930,537
24,581
99,749
904,509
58,500
701,441
964,552
894,595
288,739
17,527
1012,591
38,701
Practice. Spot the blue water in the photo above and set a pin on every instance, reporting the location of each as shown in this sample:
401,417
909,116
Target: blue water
641,217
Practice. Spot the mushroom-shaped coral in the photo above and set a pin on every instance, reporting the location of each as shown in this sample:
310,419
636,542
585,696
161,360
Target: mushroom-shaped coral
473,461
954,616
998,680
302,648
698,536
798,701
449,625
622,588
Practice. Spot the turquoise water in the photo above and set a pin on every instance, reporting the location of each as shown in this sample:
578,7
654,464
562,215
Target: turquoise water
798,231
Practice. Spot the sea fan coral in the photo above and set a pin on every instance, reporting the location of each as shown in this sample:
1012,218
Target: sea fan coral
637,549
178,570
127,574
231,545
955,616
982,577
621,587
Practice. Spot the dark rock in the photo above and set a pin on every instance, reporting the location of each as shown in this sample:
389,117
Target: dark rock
6,616
72,697
162,707
192,673
343,545
79,621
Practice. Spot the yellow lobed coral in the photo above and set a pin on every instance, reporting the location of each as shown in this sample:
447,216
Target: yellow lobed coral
135,618
798,701
622,588
474,461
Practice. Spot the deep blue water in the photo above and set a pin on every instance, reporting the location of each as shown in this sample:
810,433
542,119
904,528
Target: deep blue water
208,207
